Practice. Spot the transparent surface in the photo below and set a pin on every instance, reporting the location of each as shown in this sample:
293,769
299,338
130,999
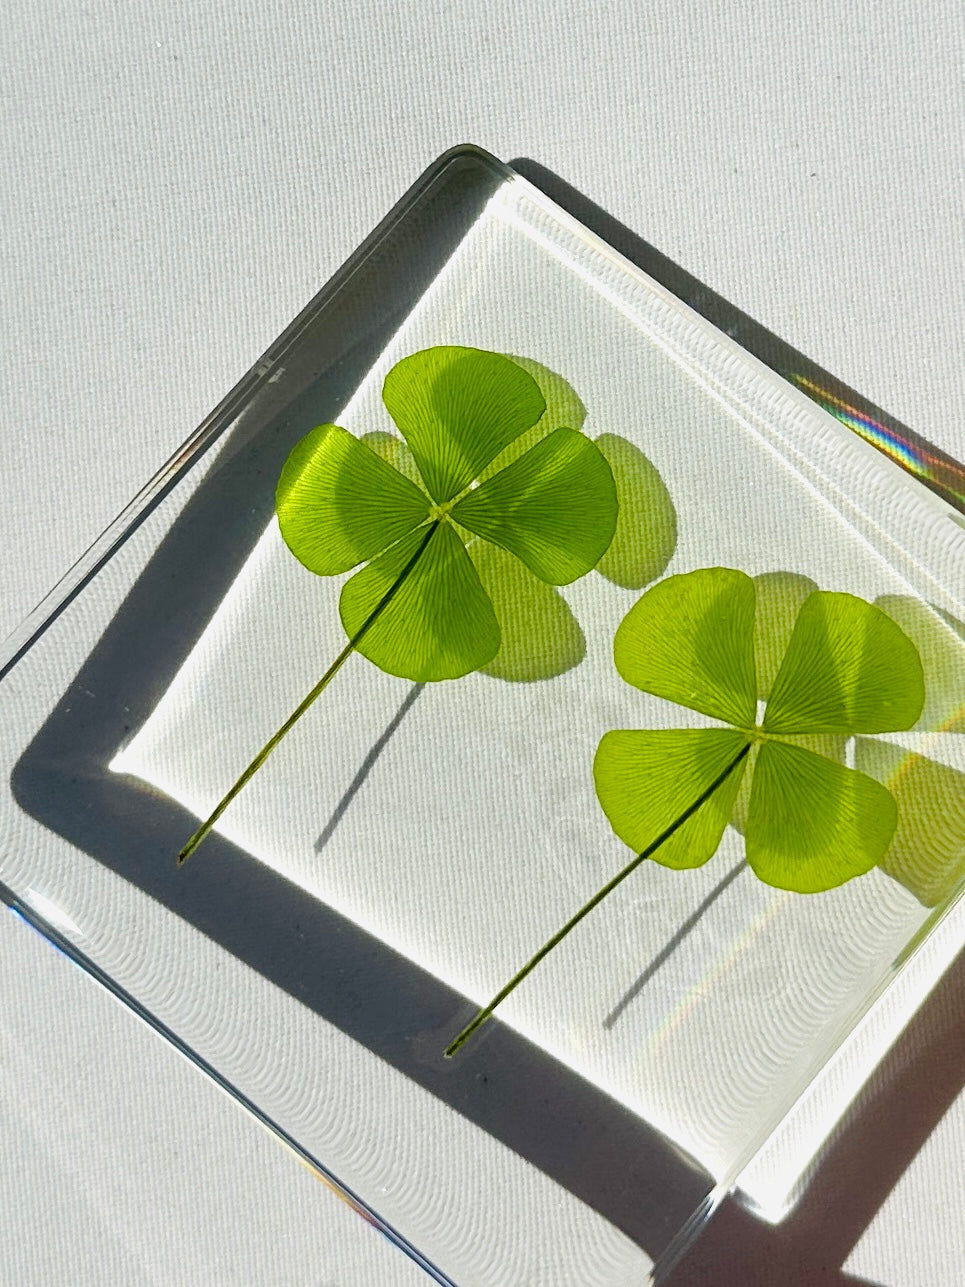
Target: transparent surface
408,847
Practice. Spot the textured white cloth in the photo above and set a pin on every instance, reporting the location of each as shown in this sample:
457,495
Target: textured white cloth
179,180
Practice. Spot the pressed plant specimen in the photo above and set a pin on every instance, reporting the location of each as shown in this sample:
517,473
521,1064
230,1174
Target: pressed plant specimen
465,524
826,666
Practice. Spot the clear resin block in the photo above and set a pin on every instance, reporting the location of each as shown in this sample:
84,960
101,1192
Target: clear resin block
408,846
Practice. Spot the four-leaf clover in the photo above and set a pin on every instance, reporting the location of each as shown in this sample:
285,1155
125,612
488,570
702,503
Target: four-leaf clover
466,524
342,503
811,822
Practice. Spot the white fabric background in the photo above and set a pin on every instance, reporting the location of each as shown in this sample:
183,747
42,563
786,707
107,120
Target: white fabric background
178,180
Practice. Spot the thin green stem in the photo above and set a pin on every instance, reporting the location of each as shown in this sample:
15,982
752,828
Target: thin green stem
598,897
303,706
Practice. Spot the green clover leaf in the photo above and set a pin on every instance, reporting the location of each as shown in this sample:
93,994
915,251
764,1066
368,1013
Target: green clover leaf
492,451
462,528
827,666
539,637
343,501
847,668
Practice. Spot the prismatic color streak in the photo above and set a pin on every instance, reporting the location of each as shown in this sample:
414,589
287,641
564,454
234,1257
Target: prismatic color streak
704,986
940,472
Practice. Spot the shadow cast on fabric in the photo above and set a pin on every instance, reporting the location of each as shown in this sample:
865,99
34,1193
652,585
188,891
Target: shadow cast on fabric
676,939
366,767
914,1086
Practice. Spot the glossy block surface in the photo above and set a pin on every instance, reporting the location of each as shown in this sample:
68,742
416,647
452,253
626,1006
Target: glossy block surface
409,846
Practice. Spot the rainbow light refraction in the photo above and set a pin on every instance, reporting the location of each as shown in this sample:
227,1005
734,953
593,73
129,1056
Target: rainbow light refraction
937,470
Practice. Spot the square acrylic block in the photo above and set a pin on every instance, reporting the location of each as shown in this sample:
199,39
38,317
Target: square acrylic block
408,846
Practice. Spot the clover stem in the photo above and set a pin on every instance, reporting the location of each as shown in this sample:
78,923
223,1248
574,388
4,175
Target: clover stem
598,897
303,706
